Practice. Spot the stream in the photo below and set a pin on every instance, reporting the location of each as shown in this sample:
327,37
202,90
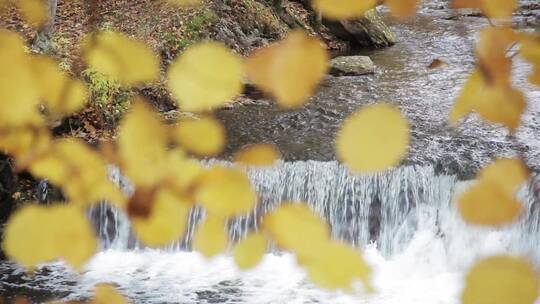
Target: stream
404,220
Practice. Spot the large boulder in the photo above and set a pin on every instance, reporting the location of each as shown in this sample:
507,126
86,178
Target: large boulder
351,66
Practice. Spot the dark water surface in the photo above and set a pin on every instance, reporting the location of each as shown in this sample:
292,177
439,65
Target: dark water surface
402,78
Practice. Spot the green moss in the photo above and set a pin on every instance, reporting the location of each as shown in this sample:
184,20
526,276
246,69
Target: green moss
262,17
107,96
196,29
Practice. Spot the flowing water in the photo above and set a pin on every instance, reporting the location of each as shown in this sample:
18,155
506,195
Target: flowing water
404,220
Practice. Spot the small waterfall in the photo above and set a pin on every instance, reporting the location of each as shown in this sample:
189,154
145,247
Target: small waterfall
387,209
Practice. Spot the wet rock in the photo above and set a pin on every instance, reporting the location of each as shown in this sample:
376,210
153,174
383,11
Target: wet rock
351,66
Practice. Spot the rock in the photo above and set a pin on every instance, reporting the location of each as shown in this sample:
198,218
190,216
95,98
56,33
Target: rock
351,66
367,32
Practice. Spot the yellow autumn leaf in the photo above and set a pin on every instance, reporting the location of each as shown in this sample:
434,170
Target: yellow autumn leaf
501,280
250,251
402,8
257,155
166,223
225,192
373,139
496,103
485,203
294,227
79,170
24,143
34,11
206,76
343,9
491,52
201,136
126,60
36,234
62,95
142,145
508,173
291,69
107,294
18,93
211,238
499,8
491,201
182,174
338,266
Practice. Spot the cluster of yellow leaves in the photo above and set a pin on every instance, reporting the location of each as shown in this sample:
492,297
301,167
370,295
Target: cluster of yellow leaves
20,102
168,182
79,170
330,264
489,90
491,8
491,200
37,234
373,138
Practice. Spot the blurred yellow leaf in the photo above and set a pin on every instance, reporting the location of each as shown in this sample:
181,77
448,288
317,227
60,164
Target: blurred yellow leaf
126,60
250,251
142,145
499,8
485,203
225,192
36,234
499,103
294,227
402,8
204,136
491,52
107,294
343,9
18,94
291,69
34,11
62,95
501,280
373,139
337,266
206,76
530,50
166,223
79,170
257,155
508,173
211,238
182,174
25,142
491,201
